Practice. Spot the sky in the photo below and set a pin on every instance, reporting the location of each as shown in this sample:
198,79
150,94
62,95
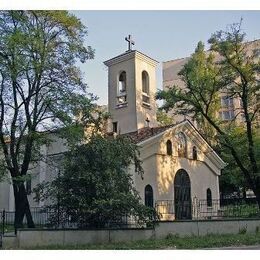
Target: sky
162,35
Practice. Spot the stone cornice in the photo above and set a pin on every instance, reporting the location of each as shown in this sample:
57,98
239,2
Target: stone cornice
131,55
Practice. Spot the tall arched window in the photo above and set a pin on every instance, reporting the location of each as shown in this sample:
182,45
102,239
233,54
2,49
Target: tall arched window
169,147
182,145
121,95
148,196
194,153
122,83
145,87
209,198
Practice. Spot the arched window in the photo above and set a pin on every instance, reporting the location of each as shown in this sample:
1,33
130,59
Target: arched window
121,96
182,145
145,87
209,198
169,147
145,82
194,153
148,196
122,83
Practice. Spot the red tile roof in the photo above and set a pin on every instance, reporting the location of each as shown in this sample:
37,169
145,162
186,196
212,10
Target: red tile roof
145,133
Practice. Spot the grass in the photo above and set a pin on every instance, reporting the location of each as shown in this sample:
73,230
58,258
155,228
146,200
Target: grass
8,228
171,242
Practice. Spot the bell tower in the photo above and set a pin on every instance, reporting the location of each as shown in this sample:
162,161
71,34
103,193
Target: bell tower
131,91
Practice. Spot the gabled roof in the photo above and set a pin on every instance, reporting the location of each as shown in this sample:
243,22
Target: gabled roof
146,135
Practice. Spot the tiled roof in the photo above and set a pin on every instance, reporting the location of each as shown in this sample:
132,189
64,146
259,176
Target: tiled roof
147,132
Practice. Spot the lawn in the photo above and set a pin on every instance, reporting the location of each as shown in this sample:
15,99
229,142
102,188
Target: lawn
172,242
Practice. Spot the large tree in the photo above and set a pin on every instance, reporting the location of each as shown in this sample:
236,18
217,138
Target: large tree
41,89
231,179
96,187
230,68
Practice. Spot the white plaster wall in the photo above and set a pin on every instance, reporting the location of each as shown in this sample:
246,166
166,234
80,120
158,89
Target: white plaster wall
132,116
33,238
125,116
143,111
40,171
4,195
160,169
149,177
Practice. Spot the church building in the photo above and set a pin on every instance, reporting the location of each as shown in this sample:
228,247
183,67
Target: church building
180,167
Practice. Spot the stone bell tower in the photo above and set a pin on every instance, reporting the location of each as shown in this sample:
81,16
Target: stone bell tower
131,91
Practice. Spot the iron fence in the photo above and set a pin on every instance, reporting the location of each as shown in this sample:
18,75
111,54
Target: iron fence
6,222
167,209
203,209
58,219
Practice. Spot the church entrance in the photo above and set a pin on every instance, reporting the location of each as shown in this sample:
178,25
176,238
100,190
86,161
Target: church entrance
182,195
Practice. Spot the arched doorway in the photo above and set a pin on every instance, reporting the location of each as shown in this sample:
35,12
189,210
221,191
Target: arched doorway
182,196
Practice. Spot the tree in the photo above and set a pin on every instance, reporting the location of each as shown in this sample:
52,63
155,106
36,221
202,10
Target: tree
96,186
232,69
41,89
163,118
231,179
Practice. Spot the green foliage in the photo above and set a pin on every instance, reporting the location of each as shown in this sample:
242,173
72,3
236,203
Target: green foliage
232,69
41,90
232,178
96,185
163,118
199,74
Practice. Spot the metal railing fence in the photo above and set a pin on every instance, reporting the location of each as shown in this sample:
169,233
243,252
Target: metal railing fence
58,219
205,209
167,209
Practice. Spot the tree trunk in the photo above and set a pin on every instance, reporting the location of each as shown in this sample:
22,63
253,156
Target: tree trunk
244,193
22,207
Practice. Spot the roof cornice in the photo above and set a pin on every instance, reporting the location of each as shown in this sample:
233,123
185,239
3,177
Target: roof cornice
130,55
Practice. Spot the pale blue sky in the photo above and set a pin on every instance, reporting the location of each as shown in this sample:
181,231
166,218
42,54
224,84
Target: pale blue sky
162,35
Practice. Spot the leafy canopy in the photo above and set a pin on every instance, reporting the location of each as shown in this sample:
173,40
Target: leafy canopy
41,86
231,68
96,185
41,90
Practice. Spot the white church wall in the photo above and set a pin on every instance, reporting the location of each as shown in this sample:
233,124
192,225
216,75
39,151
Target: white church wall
44,170
160,168
149,177
131,114
144,111
5,200
125,115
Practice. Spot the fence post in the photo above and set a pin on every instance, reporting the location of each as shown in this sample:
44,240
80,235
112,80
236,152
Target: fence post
15,226
3,222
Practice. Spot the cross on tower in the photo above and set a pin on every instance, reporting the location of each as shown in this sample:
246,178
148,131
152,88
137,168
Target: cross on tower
130,42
